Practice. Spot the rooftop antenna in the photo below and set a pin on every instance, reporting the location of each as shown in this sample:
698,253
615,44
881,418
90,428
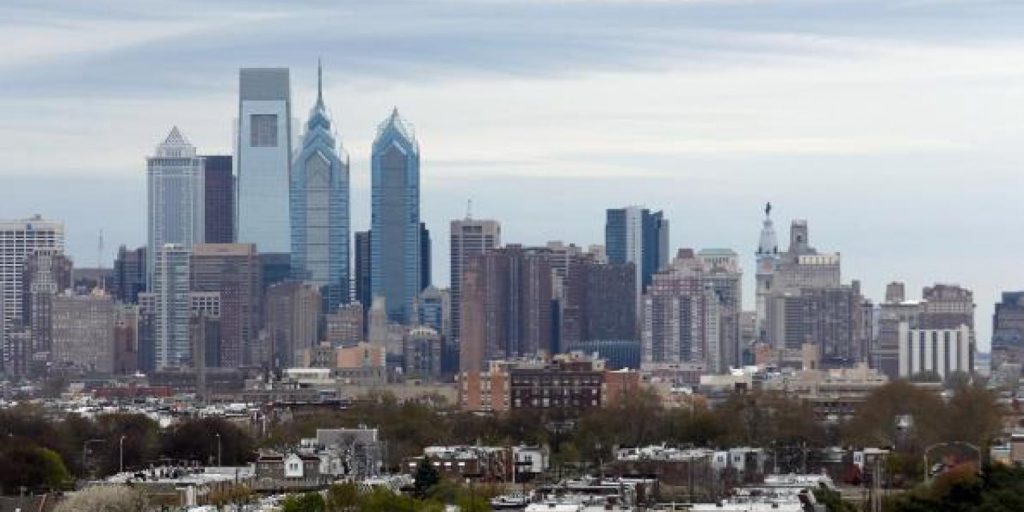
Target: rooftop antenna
469,209
319,82
99,264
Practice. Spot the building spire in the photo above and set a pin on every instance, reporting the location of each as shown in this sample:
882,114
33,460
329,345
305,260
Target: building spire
319,82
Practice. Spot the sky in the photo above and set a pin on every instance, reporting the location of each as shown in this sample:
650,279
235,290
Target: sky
892,126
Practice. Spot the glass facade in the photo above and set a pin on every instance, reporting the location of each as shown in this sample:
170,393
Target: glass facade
395,218
263,157
320,210
176,190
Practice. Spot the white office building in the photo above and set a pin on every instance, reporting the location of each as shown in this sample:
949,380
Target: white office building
176,202
942,351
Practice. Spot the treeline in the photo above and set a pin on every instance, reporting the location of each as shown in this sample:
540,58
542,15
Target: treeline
37,453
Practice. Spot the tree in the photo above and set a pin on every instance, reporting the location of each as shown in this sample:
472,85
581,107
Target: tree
308,502
198,440
342,497
105,498
425,478
32,467
237,495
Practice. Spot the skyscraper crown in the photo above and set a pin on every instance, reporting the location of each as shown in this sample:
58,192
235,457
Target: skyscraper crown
175,145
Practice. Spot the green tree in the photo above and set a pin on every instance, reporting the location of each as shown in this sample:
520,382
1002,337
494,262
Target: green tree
342,497
198,440
426,477
307,502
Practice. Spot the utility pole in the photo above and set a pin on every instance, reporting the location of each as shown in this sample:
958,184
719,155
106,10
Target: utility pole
121,444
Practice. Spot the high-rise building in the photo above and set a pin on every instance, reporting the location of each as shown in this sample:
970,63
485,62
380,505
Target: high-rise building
363,282
468,237
425,257
829,318
599,303
219,195
1008,330
345,325
430,309
234,270
941,351
83,333
506,306
395,246
683,313
129,276
263,157
635,235
204,331
946,306
421,353
170,308
320,208
19,239
46,274
176,200
723,274
293,318
126,339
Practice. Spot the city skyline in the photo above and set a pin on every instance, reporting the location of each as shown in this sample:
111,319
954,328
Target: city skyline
726,152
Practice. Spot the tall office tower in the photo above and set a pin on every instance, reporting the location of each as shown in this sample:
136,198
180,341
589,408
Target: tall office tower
395,248
946,306
46,274
263,157
147,331
561,256
430,309
894,311
19,239
692,310
895,292
599,303
468,238
421,353
83,333
176,200
219,196
275,267
680,315
320,208
293,319
345,326
363,281
938,350
204,331
425,259
126,339
170,307
802,266
506,306
234,270
1008,330
635,235
129,276
723,274
829,318
767,260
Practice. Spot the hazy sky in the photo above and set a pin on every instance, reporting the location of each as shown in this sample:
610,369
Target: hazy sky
893,126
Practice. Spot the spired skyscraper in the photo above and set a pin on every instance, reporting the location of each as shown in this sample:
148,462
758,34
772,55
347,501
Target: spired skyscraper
320,208
177,205
395,248
263,156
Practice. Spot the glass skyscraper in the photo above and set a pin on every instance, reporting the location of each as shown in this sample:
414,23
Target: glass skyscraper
176,188
395,220
320,208
635,235
263,156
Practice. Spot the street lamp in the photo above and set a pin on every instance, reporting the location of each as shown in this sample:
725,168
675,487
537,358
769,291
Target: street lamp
220,462
121,444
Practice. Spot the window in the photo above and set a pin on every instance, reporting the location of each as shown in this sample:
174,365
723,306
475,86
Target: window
263,130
